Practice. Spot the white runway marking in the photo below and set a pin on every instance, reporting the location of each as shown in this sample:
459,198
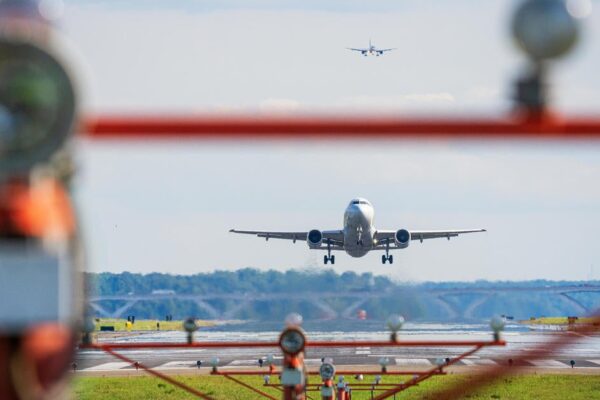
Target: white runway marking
548,363
597,362
362,350
412,362
111,366
481,361
244,362
177,365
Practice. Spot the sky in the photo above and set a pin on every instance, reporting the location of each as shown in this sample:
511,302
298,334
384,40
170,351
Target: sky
167,207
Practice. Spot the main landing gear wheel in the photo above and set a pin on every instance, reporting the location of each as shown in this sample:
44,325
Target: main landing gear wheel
385,259
327,259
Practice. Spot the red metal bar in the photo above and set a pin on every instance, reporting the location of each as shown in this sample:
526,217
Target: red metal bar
332,126
425,376
350,372
358,343
164,377
492,374
255,390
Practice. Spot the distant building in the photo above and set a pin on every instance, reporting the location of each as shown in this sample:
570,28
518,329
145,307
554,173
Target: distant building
163,292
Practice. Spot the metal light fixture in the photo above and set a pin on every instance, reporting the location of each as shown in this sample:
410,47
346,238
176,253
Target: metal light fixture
327,371
497,324
292,341
293,320
37,106
394,324
545,29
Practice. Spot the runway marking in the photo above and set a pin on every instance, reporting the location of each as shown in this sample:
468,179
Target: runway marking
362,350
597,362
412,361
244,362
177,365
111,366
481,361
548,363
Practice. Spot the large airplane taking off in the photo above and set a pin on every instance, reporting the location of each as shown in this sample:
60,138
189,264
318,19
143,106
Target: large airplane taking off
359,236
371,50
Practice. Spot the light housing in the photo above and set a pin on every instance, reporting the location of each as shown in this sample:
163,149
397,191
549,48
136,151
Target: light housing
544,29
292,341
37,105
327,371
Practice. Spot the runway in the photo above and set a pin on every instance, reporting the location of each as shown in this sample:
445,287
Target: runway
584,351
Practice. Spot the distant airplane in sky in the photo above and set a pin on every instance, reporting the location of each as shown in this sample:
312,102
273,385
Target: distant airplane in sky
359,236
371,50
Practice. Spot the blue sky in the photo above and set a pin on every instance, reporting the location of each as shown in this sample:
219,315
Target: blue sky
167,207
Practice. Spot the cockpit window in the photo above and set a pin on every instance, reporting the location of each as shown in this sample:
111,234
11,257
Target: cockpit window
355,202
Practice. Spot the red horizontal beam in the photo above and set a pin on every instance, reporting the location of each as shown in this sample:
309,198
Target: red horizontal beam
349,372
335,126
362,343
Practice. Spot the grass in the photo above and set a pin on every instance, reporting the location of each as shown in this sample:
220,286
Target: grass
558,321
522,387
146,324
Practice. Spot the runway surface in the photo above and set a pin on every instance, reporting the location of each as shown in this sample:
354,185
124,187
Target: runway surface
584,351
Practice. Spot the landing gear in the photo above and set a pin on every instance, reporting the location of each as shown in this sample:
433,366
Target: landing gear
329,257
387,257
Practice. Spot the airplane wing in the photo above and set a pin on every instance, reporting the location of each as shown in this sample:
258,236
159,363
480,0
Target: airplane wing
335,237
361,50
384,50
383,237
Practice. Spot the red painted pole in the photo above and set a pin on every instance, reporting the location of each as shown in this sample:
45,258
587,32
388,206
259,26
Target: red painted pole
327,392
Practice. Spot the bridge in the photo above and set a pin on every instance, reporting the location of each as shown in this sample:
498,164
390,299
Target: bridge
440,298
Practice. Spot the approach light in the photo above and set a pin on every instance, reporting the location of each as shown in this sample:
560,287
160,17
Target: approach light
359,377
292,341
377,379
327,360
384,361
439,362
270,359
327,371
189,325
545,29
266,379
394,324
37,105
214,363
293,320
497,324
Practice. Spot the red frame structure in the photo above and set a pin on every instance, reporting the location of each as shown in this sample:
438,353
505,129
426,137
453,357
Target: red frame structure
518,126
388,389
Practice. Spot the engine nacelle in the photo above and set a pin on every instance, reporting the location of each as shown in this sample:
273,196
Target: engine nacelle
402,238
314,239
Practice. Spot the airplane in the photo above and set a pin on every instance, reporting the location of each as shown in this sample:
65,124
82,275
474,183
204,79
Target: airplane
371,50
359,236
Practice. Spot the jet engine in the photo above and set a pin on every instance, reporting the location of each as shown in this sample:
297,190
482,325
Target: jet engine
314,239
402,238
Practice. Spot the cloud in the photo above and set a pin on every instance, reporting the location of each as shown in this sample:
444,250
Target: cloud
399,102
279,105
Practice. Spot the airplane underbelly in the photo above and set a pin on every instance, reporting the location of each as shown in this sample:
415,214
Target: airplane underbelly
357,243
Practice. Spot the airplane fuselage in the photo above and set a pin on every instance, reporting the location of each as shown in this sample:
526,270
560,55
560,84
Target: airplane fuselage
358,228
